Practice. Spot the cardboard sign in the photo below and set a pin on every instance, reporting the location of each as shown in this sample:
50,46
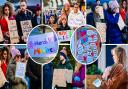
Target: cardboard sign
20,70
26,28
101,28
101,12
61,76
121,23
14,37
1,35
43,45
65,35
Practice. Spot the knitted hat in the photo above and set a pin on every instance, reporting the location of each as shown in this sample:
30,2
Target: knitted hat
113,4
14,51
37,8
63,52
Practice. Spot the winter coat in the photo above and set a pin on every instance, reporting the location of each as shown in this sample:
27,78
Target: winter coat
22,17
117,79
114,35
16,83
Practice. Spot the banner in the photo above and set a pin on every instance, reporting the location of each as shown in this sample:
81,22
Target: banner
14,38
43,45
65,35
20,70
61,76
101,28
1,35
26,28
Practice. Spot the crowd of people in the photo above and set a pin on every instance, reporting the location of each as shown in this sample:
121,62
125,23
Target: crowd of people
113,13
70,16
9,57
9,12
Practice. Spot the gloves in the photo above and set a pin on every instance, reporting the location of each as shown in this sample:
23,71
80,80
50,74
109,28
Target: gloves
76,79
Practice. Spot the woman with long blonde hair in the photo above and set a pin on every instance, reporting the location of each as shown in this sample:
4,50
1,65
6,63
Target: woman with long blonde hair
115,76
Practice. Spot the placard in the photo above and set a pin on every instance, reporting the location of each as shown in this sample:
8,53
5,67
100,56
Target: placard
64,35
43,45
101,28
26,28
1,35
20,69
121,23
101,12
61,76
14,37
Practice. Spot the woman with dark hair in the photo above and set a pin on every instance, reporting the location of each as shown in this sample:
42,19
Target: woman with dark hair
115,76
123,9
4,60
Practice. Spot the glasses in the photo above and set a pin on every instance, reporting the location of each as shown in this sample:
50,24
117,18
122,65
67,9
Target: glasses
18,56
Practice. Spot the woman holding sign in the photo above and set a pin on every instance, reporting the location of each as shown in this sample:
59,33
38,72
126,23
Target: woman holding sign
112,18
16,82
115,76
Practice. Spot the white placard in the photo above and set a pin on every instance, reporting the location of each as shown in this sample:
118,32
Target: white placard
20,69
121,23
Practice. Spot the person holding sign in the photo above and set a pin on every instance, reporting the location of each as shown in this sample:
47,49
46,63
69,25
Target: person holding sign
8,13
115,76
64,64
23,14
114,35
76,18
16,82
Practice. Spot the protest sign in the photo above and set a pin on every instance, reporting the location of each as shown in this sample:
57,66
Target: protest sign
65,35
20,70
43,45
121,23
101,28
61,76
1,35
14,38
26,28
101,12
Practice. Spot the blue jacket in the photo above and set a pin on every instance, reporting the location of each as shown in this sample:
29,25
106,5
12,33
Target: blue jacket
114,35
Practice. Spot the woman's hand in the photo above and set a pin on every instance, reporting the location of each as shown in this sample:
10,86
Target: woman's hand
106,73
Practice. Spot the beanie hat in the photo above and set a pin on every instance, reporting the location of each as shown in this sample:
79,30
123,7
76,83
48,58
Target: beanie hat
63,52
14,51
113,4
37,8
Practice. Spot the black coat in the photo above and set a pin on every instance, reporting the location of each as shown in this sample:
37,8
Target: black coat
22,17
34,21
61,28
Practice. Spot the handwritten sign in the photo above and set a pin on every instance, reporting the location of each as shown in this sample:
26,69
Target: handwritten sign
101,28
26,28
14,38
1,35
61,76
64,35
101,12
87,45
43,45
20,70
